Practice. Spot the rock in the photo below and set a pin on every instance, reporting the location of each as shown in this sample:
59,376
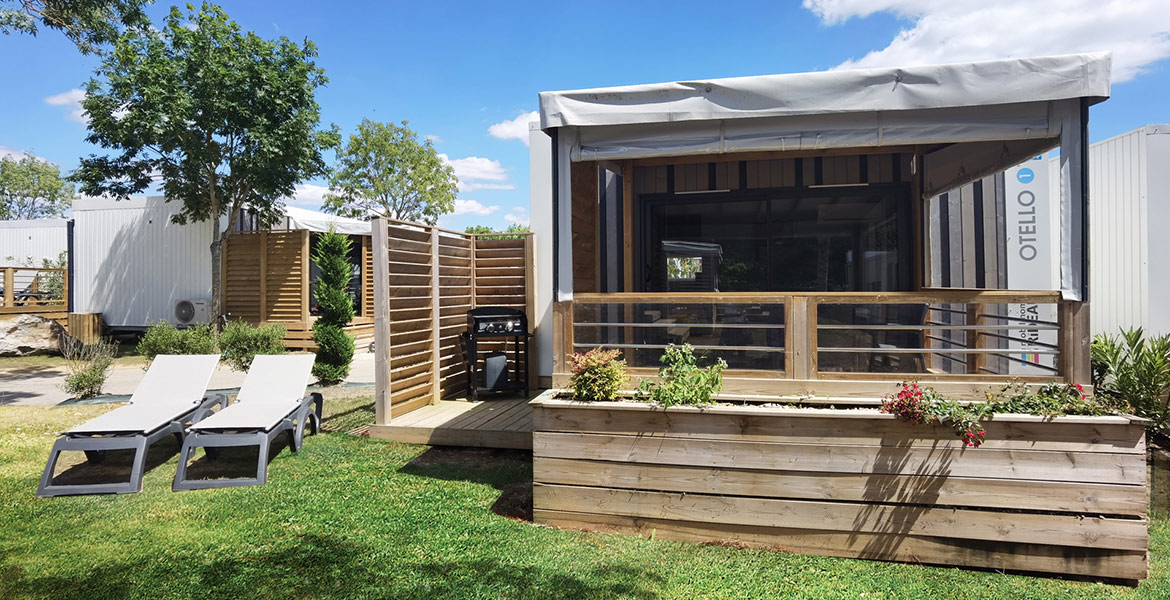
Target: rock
22,335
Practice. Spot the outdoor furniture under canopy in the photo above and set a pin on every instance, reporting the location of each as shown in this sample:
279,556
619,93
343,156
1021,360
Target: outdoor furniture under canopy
169,395
272,401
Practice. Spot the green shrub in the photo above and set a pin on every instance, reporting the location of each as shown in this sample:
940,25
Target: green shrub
164,338
89,367
239,342
682,381
1135,371
597,375
334,346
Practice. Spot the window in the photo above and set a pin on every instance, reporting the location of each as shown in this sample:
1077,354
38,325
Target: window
854,238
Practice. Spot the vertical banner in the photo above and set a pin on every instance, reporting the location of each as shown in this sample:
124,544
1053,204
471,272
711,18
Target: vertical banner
1031,264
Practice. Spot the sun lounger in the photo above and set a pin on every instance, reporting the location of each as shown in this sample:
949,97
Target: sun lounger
272,401
171,394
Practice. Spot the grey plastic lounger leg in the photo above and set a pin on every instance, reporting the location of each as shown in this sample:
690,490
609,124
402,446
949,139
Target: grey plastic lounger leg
89,445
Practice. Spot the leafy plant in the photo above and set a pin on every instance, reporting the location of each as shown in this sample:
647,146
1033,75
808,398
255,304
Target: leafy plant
682,381
1135,371
164,338
334,346
597,375
89,367
1052,400
917,404
240,343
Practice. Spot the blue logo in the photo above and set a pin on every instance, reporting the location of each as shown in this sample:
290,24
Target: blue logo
1025,175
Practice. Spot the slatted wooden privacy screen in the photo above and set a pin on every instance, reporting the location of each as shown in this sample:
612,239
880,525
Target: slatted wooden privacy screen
425,279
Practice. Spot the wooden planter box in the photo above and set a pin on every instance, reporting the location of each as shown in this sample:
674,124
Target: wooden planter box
1065,495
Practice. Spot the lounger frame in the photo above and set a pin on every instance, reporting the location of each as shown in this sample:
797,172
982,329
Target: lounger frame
95,445
307,413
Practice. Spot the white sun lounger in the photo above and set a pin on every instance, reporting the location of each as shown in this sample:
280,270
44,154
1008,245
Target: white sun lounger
171,394
271,401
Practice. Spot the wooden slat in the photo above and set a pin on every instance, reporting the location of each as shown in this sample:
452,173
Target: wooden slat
984,462
1024,528
1084,561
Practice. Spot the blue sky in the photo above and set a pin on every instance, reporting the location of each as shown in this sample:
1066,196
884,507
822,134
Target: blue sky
455,69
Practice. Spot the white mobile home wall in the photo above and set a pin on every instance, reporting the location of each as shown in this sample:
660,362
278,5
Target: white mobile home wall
541,212
28,243
1129,207
131,263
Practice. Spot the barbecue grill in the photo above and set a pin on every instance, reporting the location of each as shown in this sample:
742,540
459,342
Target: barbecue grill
496,323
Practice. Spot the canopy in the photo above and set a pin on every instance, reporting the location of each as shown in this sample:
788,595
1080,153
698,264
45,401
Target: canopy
966,121
300,218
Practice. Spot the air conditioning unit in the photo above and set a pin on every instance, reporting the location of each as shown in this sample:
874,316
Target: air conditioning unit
192,311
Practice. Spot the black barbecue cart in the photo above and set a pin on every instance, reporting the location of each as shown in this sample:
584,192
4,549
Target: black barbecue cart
496,377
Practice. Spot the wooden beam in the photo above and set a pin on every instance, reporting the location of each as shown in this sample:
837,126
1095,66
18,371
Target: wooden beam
381,323
305,270
628,225
436,307
263,276
1074,341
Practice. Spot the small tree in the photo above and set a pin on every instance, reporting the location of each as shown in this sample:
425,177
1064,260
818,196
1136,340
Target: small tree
226,120
31,188
385,170
335,347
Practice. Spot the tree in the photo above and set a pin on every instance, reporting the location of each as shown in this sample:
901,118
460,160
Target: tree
225,120
334,346
478,229
513,231
31,188
89,24
384,170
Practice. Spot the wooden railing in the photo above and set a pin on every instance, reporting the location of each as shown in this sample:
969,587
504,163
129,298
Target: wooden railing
28,290
959,335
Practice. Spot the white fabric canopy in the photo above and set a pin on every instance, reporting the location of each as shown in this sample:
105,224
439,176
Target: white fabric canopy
300,218
834,92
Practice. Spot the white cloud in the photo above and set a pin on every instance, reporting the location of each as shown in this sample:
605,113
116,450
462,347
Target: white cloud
518,216
472,207
71,100
1137,31
434,139
515,129
478,173
13,153
308,195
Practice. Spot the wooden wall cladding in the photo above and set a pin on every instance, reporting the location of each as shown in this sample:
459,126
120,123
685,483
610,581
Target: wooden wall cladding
1064,496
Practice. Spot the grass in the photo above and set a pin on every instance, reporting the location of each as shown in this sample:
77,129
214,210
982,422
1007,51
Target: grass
353,517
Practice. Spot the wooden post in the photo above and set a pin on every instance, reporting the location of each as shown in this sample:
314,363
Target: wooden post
628,225
562,340
264,276
474,272
1074,341
799,362
973,340
305,270
381,323
814,367
436,305
529,304
65,289
9,296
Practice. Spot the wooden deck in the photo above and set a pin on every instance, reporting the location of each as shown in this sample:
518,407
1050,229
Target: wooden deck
483,424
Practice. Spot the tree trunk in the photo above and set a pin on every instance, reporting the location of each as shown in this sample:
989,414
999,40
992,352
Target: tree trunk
216,264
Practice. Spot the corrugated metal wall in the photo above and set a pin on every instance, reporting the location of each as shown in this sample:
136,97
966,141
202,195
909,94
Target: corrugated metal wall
1119,253
27,243
132,264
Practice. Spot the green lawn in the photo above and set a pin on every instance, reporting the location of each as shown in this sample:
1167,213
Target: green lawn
351,517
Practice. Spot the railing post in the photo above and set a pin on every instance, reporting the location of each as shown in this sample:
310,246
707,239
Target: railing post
973,339
800,337
1074,341
9,296
381,323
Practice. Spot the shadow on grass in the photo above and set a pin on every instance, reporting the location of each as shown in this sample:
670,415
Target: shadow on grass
115,467
234,462
509,471
321,565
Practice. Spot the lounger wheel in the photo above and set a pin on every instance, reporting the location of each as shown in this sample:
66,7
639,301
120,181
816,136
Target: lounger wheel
95,457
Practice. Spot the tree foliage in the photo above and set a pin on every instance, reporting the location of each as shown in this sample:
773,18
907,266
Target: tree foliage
31,188
334,346
89,24
385,170
513,231
225,120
